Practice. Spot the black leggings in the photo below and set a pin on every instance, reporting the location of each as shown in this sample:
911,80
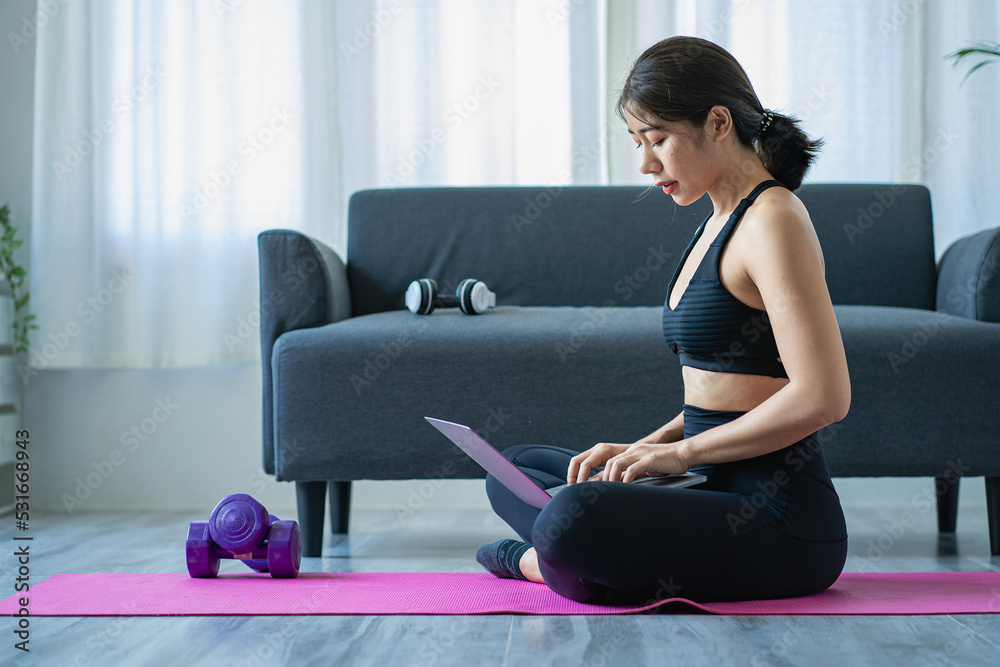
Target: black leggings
766,527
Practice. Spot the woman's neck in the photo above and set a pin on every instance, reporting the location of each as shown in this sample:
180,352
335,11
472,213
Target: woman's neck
743,172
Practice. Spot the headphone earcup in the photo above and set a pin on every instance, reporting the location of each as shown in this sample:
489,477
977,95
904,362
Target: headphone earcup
464,294
475,297
421,295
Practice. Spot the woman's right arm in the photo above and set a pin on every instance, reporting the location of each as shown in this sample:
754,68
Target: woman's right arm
672,431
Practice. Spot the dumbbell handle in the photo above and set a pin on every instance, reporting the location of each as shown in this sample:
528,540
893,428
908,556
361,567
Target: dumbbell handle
222,552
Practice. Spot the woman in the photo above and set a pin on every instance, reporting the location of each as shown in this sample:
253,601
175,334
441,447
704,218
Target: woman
750,318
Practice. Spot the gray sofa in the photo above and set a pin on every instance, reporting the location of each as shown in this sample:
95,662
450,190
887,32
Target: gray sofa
574,353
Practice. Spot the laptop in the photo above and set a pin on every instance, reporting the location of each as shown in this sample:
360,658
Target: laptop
520,484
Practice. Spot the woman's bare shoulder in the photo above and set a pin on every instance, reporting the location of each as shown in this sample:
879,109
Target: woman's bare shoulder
778,223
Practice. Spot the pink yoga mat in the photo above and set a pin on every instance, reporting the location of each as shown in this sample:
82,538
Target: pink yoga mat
109,594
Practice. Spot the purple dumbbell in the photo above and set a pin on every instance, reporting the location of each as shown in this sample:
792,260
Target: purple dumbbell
260,565
240,528
202,552
239,523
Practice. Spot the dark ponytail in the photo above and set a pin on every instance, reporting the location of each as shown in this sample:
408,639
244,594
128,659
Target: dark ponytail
681,78
786,151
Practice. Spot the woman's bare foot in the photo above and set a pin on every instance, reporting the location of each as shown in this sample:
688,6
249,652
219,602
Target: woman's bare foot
529,566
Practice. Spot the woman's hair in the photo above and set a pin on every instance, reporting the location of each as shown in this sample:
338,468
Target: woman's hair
682,78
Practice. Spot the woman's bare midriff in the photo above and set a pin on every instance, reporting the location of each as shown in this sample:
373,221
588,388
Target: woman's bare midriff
713,390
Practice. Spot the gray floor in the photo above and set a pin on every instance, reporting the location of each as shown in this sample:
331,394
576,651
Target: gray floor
446,540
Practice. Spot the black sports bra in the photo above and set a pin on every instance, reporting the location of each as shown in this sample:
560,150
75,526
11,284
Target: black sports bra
710,328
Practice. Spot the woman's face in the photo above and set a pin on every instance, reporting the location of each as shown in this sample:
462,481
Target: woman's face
673,156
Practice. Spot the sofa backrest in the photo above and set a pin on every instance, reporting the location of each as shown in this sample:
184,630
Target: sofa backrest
878,242
613,245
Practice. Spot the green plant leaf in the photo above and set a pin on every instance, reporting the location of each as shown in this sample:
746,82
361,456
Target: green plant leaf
990,51
15,275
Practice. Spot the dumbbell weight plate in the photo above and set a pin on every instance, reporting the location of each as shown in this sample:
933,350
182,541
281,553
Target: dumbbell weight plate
239,523
284,550
202,563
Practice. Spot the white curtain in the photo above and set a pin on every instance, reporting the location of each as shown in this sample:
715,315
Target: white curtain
869,76
168,135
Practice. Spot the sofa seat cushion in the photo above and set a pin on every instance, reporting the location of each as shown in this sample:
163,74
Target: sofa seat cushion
353,394
925,392
350,397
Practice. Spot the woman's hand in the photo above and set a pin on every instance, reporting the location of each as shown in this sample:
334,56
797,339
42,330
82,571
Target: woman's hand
626,463
581,465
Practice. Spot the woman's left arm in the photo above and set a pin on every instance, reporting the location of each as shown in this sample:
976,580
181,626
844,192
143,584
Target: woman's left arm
784,260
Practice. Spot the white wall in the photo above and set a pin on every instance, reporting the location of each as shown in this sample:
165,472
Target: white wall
209,443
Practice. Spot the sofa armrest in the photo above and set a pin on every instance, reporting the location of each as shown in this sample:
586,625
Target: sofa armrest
303,283
969,277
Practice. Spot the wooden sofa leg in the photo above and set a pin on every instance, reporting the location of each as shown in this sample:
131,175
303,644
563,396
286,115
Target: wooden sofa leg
947,503
310,497
340,506
993,513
